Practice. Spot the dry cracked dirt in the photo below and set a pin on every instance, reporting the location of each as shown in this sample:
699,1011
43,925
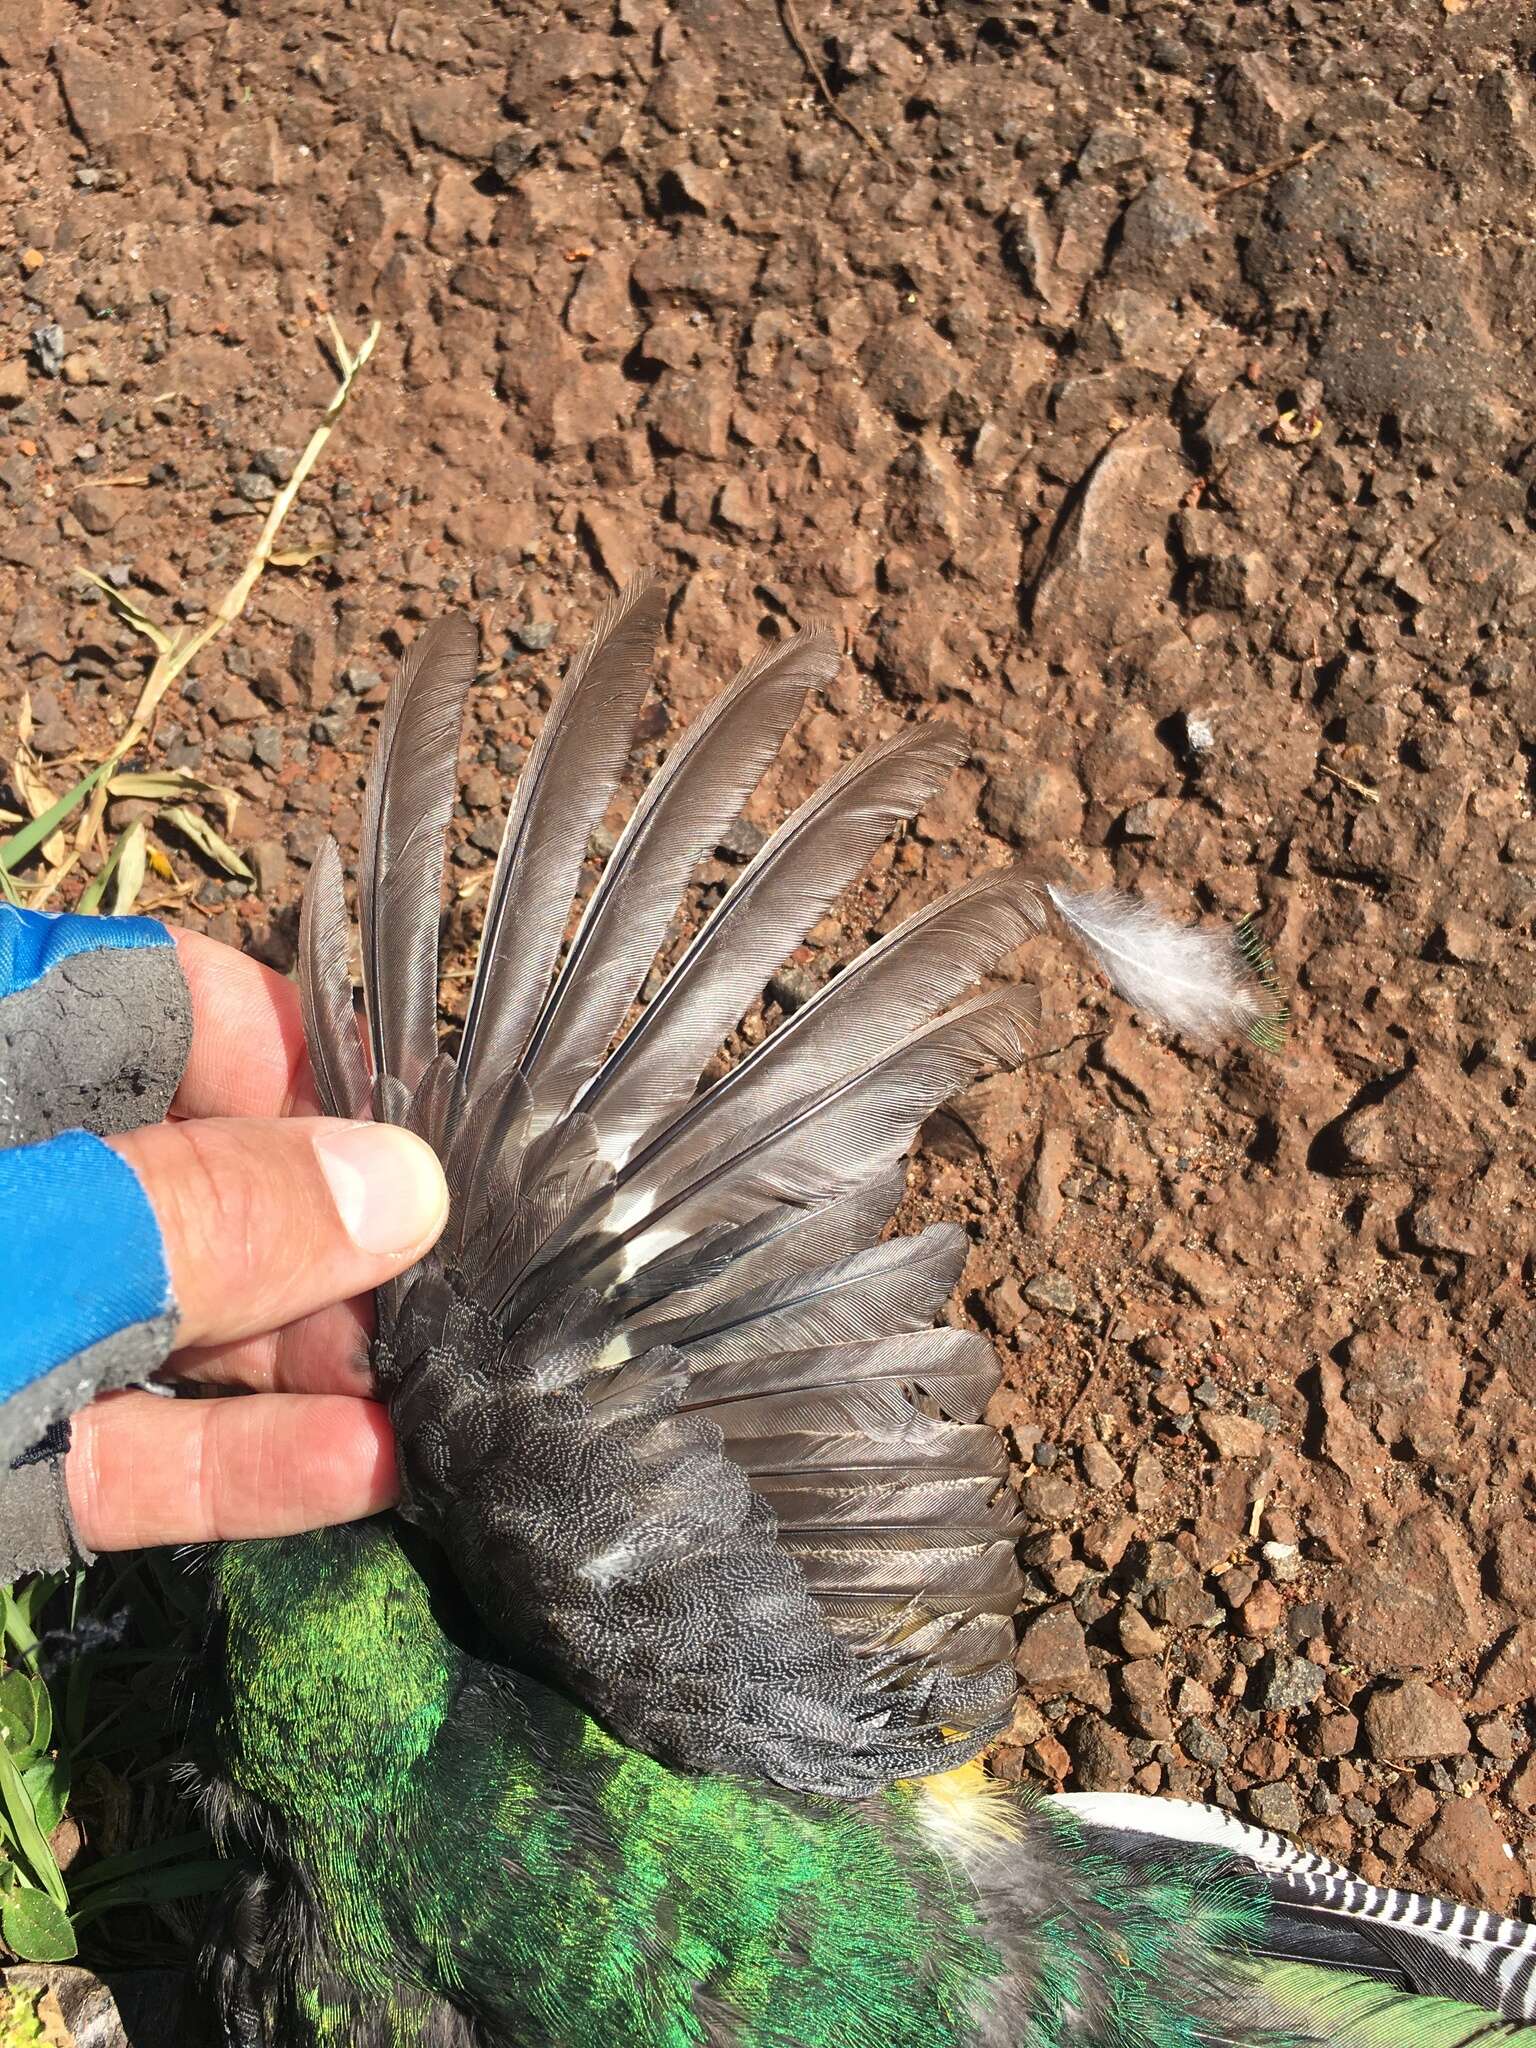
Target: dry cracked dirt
1149,386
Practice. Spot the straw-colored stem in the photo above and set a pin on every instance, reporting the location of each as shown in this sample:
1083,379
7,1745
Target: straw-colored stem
173,659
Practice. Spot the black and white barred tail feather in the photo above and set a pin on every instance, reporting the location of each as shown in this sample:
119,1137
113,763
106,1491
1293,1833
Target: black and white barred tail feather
1322,1917
678,1419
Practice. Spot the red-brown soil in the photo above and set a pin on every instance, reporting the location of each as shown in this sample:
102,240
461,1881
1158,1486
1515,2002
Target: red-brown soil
1149,386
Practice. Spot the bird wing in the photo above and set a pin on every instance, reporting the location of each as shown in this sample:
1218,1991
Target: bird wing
680,1419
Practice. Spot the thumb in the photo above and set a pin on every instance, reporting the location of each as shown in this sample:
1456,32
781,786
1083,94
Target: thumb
264,1221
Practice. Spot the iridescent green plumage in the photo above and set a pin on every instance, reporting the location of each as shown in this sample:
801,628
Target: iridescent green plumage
463,1843
525,1862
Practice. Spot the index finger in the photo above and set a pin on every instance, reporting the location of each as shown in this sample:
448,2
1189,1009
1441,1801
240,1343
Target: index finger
248,1056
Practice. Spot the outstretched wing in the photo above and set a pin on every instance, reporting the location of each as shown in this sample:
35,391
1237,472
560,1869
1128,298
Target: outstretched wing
678,1416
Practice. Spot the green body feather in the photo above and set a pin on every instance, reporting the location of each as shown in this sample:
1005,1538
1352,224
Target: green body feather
1342,2011
499,1847
473,1843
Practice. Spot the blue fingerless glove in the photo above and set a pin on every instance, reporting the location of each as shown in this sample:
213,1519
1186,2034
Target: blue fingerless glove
95,1027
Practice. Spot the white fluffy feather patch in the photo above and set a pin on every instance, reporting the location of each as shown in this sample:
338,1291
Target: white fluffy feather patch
1191,978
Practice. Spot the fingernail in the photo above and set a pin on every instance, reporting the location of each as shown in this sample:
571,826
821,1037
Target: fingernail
388,1188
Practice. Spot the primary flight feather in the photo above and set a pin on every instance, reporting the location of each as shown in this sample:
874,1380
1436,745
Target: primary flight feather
647,1720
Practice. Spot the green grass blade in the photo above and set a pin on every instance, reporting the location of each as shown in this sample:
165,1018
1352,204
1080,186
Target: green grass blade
30,837
30,1839
132,1862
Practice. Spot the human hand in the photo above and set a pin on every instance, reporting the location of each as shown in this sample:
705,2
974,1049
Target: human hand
277,1225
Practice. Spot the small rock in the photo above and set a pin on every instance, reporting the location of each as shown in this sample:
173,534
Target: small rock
234,703
277,463
1138,1638
269,864
1162,232
444,117
1099,1468
1256,114
1107,149
1414,1805
744,506
482,789
1101,1757
1237,1584
1142,1687
1047,1496
1038,805
1148,1479
1051,1291
1238,582
107,99
1275,1807
513,152
1159,1564
599,308
1194,1699
1198,1274
98,510
1199,734
910,369
255,487
1509,1676
1411,1720
1465,1854
1262,1612
614,542
1041,1199
1266,1758
1149,819
54,737
1464,941
13,381
1203,1745
1232,1436
1282,1683
1185,1603
1050,1759
39,629
1105,1543
1496,1738
1053,1651
1338,1735
791,987
1413,1604
689,188
49,349
1522,1787
693,414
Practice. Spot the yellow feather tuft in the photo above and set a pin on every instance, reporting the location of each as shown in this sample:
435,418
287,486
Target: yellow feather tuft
968,1808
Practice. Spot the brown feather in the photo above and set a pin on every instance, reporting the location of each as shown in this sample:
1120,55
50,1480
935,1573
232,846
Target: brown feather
405,827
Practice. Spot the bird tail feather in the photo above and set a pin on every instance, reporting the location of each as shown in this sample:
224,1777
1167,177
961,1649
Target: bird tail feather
1353,1959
